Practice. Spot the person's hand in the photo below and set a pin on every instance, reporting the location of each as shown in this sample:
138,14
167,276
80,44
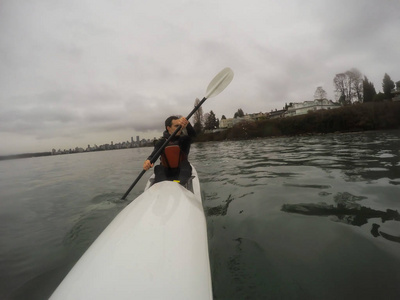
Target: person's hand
147,165
183,122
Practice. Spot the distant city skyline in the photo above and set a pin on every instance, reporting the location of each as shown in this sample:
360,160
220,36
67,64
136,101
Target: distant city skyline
103,147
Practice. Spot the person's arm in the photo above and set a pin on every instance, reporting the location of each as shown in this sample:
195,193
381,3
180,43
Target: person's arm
186,140
190,131
186,125
147,164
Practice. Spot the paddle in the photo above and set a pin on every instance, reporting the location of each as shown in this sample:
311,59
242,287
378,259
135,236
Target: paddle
216,86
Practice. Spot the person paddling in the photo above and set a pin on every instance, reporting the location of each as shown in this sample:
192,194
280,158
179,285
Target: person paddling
174,158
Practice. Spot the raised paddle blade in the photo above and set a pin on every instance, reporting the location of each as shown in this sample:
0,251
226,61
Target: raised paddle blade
219,83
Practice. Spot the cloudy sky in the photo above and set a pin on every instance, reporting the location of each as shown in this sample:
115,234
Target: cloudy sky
79,72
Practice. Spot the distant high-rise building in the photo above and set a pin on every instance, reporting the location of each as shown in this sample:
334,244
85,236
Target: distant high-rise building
137,138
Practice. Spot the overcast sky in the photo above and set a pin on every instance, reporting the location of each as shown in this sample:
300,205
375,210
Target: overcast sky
79,72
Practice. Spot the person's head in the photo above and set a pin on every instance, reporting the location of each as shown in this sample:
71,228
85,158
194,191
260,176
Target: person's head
171,124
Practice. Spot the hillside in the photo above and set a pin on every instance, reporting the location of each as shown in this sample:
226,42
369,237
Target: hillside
358,117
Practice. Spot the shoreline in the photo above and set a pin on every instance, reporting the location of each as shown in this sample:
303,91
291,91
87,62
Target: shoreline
363,117
356,118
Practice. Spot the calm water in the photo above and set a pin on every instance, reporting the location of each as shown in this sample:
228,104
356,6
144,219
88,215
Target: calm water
52,208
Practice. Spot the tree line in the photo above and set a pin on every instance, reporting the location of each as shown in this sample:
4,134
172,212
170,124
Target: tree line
350,87
350,118
209,121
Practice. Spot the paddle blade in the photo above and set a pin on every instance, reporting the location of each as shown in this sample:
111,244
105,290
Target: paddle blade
219,83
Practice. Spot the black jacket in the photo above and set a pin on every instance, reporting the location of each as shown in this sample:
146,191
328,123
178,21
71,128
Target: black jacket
183,141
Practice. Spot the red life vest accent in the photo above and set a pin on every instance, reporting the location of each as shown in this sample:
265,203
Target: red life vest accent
172,156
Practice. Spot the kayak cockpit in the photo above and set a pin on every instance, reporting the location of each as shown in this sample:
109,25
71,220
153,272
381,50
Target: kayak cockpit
188,185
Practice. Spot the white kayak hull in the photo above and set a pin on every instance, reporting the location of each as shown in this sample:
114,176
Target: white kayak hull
156,248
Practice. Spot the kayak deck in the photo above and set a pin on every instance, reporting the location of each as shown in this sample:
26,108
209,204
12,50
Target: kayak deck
156,248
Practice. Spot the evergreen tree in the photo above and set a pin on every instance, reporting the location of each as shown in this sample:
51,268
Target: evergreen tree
239,114
211,121
198,127
380,97
368,90
388,86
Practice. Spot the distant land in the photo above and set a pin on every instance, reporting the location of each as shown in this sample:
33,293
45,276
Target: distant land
24,155
105,147
352,118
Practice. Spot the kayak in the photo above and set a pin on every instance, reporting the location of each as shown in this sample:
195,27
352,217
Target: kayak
155,248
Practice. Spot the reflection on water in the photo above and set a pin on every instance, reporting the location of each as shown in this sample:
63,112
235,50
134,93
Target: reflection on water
219,210
92,221
263,197
263,201
347,211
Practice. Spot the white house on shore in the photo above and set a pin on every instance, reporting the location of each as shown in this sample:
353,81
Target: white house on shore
303,108
396,93
294,109
229,123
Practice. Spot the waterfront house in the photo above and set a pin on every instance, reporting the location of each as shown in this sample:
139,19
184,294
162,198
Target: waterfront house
396,93
274,114
296,109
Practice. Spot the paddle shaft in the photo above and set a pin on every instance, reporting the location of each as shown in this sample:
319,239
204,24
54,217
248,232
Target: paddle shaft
160,150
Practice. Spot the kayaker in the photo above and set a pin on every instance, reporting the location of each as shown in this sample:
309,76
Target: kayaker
174,158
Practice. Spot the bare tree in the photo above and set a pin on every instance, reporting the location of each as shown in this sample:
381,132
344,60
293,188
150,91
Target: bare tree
356,84
341,87
348,86
198,118
320,93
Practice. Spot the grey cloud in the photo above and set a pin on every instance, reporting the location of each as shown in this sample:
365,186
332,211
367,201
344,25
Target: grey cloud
74,70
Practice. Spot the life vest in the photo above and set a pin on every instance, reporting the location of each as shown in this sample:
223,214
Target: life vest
172,156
